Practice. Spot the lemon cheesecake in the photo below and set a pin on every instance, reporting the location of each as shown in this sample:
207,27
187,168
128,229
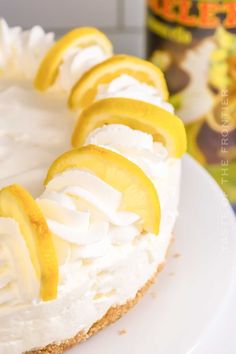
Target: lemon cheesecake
90,170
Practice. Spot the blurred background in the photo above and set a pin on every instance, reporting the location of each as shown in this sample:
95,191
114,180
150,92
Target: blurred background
122,20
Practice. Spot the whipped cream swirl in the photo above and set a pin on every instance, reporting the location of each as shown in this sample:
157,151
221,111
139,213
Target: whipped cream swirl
83,210
22,51
76,62
135,145
128,87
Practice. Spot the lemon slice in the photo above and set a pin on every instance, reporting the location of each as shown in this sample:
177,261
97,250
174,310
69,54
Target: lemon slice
139,193
161,124
85,90
18,204
79,37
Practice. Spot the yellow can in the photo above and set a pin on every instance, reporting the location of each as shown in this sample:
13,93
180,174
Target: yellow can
194,43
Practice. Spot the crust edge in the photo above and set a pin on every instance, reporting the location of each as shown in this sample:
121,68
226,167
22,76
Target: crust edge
112,315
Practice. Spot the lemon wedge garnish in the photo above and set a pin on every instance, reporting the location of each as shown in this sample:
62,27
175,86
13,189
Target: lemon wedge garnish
139,193
161,124
85,90
18,204
79,37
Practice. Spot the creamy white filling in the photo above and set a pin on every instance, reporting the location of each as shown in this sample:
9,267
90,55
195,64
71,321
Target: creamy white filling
89,293
128,87
34,130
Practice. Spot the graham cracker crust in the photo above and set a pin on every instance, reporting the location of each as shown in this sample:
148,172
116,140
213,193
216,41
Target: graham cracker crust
112,315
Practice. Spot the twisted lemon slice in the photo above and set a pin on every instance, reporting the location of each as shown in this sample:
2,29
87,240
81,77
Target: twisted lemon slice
85,90
139,194
18,204
79,37
161,124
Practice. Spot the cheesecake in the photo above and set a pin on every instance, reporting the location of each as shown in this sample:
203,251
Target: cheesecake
89,185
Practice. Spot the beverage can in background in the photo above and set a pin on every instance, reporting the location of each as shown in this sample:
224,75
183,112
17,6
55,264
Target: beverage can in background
194,43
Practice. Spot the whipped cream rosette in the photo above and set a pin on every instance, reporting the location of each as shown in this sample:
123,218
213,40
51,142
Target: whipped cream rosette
77,254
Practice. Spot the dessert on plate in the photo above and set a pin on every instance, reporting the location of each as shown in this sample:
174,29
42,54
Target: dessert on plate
89,185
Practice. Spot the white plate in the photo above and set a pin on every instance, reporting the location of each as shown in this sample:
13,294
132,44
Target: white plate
191,292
